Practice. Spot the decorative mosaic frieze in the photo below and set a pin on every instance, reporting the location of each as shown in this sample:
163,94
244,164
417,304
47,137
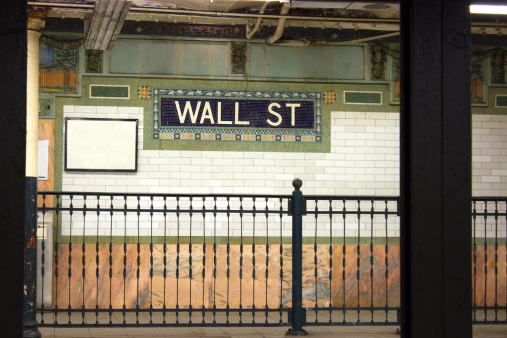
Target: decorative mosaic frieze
223,115
144,92
46,108
238,57
58,70
329,97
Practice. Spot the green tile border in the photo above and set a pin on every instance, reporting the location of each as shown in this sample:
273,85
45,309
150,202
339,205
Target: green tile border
258,240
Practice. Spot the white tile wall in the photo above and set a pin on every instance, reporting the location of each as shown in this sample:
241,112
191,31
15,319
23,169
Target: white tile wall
489,155
364,160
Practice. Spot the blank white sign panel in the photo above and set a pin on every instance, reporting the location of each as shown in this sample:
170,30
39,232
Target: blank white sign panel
101,144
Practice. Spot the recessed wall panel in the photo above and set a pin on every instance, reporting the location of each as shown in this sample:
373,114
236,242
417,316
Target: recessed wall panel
125,57
193,58
258,57
159,57
316,63
283,62
349,62
218,58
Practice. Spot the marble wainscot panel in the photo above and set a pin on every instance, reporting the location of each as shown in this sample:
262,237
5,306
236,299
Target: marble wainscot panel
188,278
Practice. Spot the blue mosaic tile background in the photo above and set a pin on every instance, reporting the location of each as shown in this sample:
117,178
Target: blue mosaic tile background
205,113
253,107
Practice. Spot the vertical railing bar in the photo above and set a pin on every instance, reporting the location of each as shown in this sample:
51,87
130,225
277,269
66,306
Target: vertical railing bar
57,273
253,263
485,262
190,272
70,257
125,260
496,261
228,259
138,257
344,251
506,260
358,263
386,250
371,257
330,261
164,307
215,261
203,256
267,261
178,260
241,262
83,261
281,262
315,274
111,264
43,255
97,261
151,260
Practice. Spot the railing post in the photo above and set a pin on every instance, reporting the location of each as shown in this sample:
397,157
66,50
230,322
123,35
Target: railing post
298,209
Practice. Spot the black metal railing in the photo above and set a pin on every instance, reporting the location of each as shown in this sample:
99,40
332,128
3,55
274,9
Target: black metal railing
140,259
489,238
362,229
239,260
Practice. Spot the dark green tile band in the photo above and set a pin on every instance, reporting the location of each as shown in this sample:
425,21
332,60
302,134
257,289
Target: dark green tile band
501,101
223,240
363,97
119,92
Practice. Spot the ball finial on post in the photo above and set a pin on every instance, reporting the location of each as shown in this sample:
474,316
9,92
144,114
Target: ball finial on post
297,183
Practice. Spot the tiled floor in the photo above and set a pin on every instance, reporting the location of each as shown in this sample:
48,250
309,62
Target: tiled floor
355,331
480,331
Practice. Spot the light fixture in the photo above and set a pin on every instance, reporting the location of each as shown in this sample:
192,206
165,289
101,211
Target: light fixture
488,9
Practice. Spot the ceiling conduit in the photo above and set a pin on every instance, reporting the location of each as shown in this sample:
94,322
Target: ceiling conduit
251,33
280,27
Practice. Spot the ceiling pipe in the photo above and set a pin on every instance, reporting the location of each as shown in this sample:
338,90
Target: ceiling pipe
371,38
280,27
251,33
292,43
308,43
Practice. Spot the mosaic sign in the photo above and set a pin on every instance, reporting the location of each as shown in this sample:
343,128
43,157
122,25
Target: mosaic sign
221,115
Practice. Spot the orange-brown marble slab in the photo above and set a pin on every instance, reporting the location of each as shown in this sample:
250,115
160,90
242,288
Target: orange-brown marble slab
488,286
359,276
47,132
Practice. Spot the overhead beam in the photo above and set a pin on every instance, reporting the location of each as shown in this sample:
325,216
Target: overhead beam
105,25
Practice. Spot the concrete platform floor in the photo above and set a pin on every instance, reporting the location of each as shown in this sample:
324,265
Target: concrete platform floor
480,331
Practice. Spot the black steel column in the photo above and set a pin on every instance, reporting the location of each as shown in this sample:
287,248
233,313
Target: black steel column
298,209
30,323
435,169
13,17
